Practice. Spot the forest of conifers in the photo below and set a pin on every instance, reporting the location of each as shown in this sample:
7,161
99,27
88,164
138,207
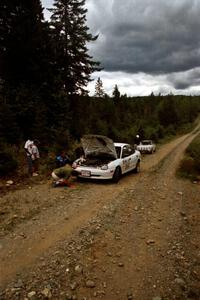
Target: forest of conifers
44,71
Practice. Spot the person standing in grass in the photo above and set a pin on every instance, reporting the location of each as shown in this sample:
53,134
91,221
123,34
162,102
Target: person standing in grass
35,155
28,148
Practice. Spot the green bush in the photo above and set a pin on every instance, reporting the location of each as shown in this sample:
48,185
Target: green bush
187,164
193,151
170,130
190,164
151,133
7,164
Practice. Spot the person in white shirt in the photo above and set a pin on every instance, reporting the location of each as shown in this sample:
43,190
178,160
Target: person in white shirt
35,155
28,148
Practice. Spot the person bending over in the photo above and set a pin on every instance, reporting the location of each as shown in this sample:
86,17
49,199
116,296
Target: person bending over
62,176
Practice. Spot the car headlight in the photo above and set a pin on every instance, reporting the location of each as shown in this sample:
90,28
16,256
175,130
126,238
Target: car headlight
104,167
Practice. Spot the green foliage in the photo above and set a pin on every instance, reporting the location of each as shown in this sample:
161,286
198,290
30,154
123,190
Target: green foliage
151,133
116,93
167,113
63,139
7,164
170,130
190,164
9,129
99,91
23,49
73,64
126,135
193,151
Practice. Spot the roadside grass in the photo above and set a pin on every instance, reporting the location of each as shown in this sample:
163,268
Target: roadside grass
190,164
184,129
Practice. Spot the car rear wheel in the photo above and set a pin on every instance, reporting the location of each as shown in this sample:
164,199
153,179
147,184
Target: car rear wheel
117,175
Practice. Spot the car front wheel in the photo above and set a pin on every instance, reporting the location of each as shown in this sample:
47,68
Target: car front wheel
137,168
117,175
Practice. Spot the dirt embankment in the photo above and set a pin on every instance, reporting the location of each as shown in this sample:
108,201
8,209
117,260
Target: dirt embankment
138,239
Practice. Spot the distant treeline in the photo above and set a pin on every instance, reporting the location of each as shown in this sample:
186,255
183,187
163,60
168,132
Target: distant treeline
65,120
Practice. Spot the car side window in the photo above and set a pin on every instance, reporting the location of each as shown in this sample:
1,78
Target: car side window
127,150
118,151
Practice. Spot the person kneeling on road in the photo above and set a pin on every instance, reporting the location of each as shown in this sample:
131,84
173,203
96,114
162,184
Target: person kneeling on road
61,176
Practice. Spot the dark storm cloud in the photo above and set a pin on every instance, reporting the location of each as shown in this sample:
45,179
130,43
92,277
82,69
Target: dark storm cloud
145,46
182,81
155,37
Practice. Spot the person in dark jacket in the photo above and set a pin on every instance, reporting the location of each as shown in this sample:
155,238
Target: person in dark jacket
62,159
137,139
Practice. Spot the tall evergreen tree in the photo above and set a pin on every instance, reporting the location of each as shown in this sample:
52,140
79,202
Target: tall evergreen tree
99,90
70,36
22,43
25,74
116,93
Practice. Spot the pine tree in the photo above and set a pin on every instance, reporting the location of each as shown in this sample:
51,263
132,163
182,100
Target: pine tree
70,35
116,93
25,75
22,44
99,90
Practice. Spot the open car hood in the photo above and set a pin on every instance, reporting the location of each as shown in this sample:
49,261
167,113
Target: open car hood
98,146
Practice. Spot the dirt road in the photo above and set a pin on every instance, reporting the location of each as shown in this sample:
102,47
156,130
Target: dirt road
138,239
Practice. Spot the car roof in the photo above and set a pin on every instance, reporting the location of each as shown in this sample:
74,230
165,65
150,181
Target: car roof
120,144
146,141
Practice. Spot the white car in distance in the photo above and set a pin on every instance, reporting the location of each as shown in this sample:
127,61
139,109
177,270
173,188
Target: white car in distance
146,146
104,159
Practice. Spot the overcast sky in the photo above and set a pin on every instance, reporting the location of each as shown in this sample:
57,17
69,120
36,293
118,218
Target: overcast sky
145,46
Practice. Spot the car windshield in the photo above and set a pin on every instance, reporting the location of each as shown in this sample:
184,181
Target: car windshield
118,150
146,143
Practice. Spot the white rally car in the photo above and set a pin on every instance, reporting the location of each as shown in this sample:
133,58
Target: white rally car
104,159
146,146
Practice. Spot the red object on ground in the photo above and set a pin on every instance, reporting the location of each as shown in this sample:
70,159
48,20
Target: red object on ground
64,182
